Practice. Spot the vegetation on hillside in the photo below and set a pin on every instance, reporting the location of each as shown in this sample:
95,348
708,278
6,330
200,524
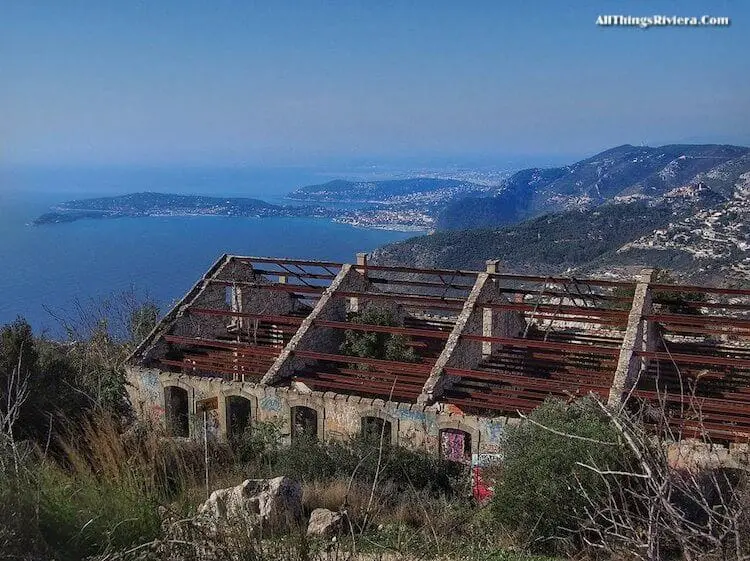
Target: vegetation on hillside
551,242
80,478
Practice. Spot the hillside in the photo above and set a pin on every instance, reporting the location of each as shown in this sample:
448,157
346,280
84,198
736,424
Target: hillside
625,171
549,243
395,191
695,231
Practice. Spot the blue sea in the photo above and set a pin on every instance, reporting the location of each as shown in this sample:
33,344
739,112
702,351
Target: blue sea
49,268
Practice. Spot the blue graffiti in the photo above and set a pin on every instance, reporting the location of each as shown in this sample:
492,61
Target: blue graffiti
493,429
409,415
269,403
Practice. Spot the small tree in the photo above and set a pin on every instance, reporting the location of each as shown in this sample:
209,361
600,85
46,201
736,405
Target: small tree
369,344
538,496
142,320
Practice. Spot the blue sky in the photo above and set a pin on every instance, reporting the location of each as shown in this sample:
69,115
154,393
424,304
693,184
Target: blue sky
163,82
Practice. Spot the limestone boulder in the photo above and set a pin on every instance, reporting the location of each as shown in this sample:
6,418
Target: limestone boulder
268,502
325,523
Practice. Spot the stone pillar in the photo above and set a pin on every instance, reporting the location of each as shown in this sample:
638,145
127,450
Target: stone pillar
362,263
639,336
236,306
362,268
493,266
437,381
277,331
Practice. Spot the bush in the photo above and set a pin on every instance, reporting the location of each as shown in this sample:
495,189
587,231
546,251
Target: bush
369,344
258,446
538,495
260,452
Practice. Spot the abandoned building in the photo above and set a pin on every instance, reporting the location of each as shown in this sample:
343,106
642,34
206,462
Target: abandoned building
260,339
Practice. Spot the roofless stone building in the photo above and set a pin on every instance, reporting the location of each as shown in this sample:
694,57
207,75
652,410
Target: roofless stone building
260,339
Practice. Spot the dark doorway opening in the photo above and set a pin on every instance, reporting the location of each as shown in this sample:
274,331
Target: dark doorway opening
238,415
176,411
304,423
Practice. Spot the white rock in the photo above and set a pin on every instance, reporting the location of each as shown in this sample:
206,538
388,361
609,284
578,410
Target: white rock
324,522
256,501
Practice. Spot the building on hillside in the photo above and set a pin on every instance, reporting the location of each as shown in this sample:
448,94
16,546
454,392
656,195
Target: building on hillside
260,339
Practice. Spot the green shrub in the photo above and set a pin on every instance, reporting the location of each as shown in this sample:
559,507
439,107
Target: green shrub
361,458
368,344
538,495
258,446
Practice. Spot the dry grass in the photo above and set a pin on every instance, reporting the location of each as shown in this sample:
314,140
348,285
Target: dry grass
410,511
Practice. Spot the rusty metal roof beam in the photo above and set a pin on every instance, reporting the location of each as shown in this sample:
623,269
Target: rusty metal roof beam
425,284
428,333
425,301
681,288
295,274
698,320
280,261
279,287
388,365
699,403
213,370
285,320
586,312
562,280
562,294
523,381
219,344
548,345
417,270
682,358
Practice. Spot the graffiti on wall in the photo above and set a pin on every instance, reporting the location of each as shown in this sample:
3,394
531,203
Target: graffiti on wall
482,482
270,403
455,445
341,422
409,415
152,402
492,433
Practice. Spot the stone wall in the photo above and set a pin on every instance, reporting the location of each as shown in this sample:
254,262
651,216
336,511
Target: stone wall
340,416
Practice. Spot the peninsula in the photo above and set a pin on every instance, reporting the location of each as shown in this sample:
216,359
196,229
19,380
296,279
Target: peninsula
163,204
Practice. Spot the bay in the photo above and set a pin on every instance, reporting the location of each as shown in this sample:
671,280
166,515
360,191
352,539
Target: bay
50,267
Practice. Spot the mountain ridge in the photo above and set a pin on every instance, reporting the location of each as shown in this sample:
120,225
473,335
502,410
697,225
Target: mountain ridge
690,217
621,171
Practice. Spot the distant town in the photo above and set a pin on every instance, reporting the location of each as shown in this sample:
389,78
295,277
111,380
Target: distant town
408,205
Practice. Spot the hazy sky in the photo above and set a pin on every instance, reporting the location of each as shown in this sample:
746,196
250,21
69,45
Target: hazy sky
220,82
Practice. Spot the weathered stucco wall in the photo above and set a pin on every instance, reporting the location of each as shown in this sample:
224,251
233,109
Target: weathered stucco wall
339,416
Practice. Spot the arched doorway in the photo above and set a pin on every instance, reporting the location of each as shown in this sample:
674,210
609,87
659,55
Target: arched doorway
304,422
238,410
176,411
